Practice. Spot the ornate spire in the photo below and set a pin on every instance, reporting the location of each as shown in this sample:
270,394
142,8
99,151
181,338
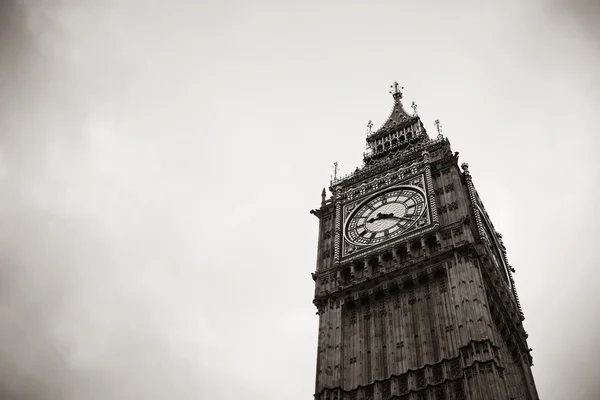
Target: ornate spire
401,131
399,116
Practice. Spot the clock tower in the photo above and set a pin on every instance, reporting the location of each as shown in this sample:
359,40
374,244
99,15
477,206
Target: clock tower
414,292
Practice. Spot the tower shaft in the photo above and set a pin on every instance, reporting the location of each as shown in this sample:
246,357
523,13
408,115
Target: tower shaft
414,293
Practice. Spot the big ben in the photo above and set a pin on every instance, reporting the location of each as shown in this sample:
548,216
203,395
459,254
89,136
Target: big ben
413,288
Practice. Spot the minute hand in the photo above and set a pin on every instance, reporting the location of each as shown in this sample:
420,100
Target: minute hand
393,216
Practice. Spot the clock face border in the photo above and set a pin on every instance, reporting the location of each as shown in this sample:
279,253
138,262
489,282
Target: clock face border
411,193
416,181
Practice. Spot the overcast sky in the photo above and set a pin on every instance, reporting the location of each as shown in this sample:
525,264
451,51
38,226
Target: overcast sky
158,162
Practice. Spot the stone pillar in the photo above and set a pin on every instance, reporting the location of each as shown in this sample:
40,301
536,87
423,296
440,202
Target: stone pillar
438,239
424,246
396,259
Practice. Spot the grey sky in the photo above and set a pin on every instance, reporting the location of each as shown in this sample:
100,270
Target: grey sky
157,165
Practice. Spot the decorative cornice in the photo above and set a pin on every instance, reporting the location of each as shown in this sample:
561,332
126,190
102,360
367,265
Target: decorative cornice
404,240
414,269
401,157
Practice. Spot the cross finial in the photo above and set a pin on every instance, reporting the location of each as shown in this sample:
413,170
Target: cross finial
370,125
414,107
439,127
396,90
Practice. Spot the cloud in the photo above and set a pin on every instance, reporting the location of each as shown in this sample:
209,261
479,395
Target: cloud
92,306
157,166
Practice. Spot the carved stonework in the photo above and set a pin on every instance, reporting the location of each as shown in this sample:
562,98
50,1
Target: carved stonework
440,393
438,374
457,231
420,379
403,384
455,369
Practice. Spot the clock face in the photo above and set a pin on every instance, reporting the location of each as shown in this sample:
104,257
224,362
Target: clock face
384,216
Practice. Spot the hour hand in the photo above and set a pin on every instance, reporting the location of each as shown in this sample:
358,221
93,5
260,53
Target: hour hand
376,218
380,216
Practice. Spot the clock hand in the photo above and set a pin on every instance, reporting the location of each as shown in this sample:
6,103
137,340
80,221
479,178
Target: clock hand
377,217
393,216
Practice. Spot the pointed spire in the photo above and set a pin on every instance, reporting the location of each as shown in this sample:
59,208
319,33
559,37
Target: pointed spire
323,196
439,127
399,116
402,130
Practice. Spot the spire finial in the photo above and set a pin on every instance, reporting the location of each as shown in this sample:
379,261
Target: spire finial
414,107
335,169
369,126
396,90
439,127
